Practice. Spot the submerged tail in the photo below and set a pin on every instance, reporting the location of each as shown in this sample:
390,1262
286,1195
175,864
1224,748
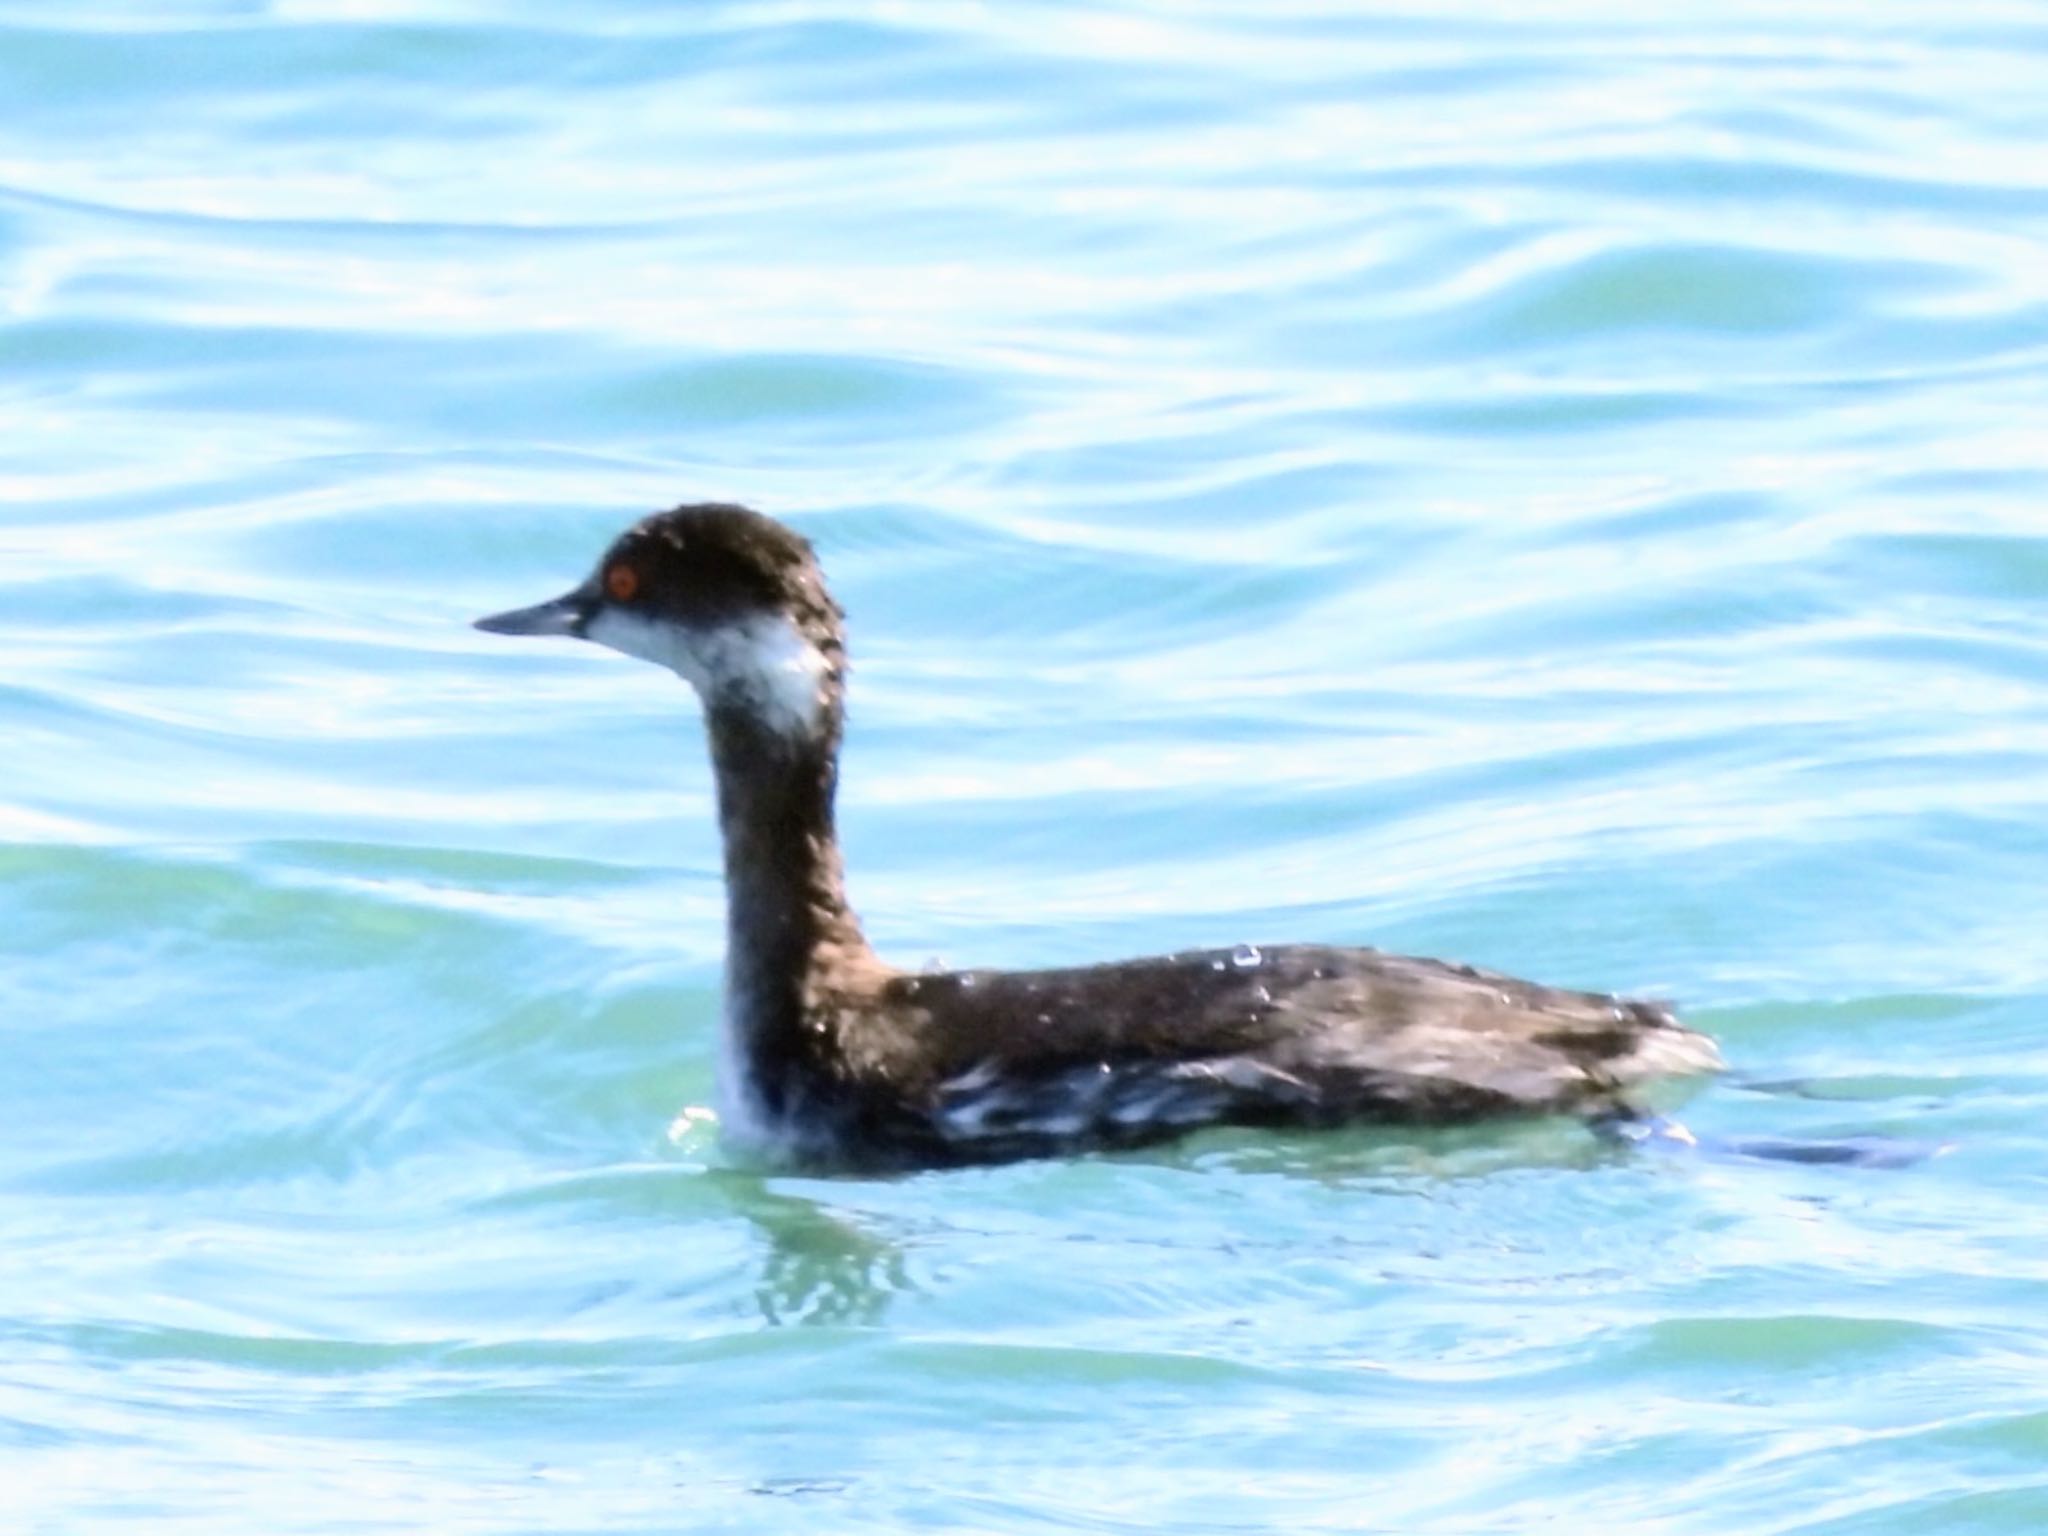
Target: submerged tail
1665,1134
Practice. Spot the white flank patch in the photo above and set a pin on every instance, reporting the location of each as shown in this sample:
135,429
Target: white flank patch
764,660
982,1103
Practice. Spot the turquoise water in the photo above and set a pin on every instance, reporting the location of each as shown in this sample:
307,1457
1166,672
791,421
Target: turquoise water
1556,486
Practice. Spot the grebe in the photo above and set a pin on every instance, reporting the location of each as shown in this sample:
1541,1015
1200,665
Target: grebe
831,1056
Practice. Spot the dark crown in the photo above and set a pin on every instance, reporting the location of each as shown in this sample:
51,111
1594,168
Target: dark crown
714,562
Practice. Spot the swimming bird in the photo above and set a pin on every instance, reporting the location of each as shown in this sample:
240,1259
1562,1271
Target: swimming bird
832,1057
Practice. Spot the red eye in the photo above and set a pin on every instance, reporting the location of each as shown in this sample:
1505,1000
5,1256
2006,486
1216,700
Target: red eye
623,583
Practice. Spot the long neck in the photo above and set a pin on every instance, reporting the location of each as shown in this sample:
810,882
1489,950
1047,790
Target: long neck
789,930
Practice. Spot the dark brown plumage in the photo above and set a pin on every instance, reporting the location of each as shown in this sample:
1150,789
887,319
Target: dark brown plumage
834,1056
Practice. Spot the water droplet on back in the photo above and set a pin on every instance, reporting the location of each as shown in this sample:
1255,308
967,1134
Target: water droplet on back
1245,956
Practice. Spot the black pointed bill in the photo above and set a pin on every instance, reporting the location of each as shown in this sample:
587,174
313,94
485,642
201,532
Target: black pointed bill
565,615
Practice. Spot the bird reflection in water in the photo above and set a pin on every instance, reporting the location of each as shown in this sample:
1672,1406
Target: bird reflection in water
818,1265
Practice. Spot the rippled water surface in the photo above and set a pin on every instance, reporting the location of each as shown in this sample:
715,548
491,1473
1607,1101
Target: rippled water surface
1563,487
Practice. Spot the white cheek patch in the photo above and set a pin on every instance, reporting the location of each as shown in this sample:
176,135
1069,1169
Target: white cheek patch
764,661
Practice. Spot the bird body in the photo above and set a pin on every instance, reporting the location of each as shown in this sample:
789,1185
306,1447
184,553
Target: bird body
834,1057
